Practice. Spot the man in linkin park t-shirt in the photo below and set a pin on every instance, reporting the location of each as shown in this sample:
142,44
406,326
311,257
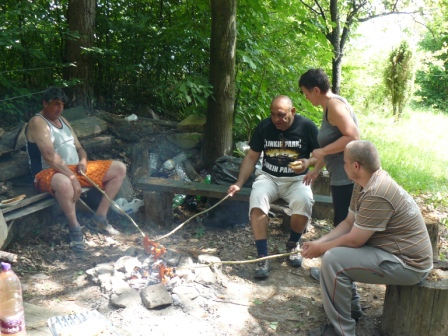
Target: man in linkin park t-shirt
286,140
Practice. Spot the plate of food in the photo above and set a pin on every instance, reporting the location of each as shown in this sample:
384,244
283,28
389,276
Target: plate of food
11,201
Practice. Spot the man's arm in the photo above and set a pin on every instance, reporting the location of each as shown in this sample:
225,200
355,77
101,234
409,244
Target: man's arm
246,169
345,234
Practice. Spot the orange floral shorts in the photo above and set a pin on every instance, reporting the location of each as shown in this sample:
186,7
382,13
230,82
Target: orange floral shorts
96,170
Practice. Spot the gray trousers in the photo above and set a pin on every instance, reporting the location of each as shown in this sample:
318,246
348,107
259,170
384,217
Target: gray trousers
341,266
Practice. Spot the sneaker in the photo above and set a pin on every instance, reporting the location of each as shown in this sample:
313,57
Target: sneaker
262,269
315,273
294,260
356,314
98,225
325,330
76,241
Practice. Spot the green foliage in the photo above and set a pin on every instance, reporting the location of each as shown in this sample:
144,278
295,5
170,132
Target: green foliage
401,145
399,77
276,44
431,77
156,53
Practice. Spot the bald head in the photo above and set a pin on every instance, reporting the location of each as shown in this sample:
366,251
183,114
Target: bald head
365,153
285,101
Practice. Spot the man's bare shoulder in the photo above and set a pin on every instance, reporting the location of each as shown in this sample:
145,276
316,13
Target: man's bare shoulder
36,126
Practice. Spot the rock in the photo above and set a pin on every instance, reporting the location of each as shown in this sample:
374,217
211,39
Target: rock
204,276
186,292
135,131
156,296
192,123
185,140
75,113
209,259
9,139
126,264
128,299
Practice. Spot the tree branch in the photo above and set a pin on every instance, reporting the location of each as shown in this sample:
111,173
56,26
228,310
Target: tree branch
367,18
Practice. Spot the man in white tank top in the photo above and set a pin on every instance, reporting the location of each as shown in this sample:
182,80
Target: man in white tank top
57,159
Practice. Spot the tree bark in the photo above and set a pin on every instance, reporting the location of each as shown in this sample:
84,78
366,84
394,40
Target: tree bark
220,109
416,310
81,20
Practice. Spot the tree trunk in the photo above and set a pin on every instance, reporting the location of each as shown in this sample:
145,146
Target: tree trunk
335,42
81,20
220,109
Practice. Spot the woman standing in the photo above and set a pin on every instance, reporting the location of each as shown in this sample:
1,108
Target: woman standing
339,127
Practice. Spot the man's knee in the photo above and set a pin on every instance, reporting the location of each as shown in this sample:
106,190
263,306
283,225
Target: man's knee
118,169
121,167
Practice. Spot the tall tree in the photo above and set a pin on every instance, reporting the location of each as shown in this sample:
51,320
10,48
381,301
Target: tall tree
399,77
81,23
220,107
339,17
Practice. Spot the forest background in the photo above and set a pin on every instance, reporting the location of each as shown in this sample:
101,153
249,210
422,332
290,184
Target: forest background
165,56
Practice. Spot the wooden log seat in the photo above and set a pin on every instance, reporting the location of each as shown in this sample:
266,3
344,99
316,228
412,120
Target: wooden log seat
420,309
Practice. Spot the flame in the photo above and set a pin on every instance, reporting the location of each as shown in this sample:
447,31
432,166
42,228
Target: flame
153,248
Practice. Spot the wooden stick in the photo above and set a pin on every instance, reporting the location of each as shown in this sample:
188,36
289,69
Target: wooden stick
274,256
8,257
113,203
199,213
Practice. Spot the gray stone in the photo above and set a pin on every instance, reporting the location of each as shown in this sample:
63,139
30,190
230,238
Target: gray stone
75,113
186,292
209,259
204,276
119,286
185,140
131,251
105,282
126,264
156,296
192,123
127,298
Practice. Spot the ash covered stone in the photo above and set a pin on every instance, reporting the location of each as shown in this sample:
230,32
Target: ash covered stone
135,280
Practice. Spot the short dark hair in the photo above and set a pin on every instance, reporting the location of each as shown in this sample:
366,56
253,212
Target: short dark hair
315,78
365,153
54,93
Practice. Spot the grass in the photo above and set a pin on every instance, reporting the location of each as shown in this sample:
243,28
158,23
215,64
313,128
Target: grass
414,150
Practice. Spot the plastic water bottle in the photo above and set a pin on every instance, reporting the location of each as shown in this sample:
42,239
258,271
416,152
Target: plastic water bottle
12,316
153,163
178,200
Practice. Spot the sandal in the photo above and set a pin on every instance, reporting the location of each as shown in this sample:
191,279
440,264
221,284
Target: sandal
76,241
102,226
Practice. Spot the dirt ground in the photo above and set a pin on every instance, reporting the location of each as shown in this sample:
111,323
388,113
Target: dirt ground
287,303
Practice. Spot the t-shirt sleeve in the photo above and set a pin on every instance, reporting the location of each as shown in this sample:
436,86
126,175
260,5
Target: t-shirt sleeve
256,141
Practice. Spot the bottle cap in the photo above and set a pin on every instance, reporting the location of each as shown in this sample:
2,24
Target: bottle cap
6,267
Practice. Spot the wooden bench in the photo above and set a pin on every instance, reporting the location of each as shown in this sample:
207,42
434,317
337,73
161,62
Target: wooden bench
30,205
158,195
25,207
